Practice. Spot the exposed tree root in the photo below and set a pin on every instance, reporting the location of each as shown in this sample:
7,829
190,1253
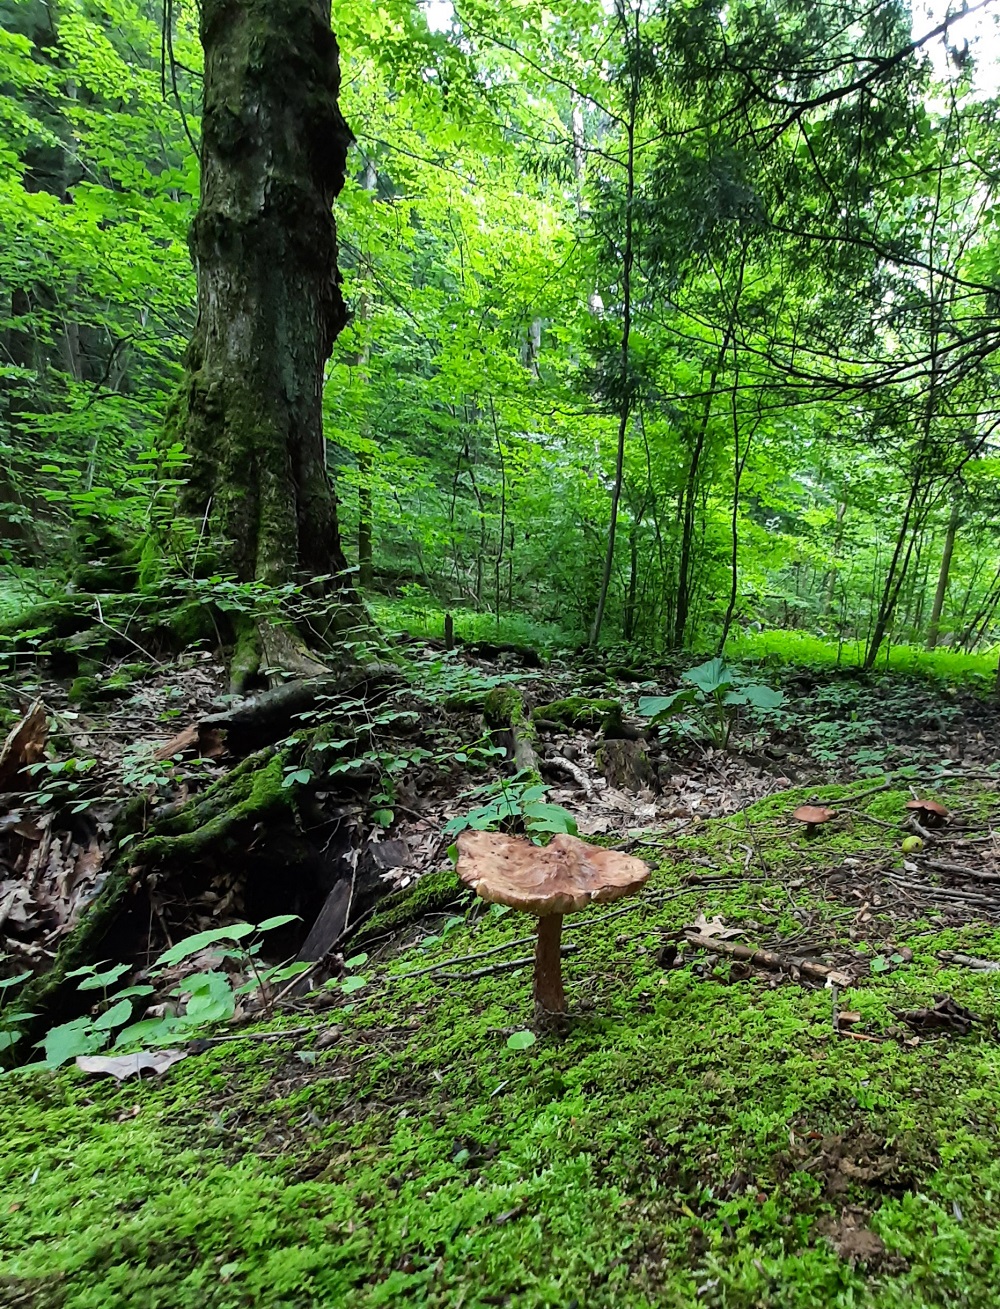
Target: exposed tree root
219,820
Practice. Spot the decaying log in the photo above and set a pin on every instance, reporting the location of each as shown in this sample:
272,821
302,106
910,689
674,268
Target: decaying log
504,709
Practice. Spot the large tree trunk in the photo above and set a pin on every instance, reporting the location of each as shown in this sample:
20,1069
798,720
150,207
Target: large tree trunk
264,243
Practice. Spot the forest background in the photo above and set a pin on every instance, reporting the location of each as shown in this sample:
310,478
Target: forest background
666,330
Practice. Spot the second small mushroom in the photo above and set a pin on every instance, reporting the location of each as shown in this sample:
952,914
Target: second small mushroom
561,878
929,812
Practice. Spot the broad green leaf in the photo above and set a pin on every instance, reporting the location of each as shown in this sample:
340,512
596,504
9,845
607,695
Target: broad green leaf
710,677
201,941
114,1017
65,1042
521,1040
279,920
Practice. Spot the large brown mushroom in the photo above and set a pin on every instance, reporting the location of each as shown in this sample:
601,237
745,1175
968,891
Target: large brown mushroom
560,879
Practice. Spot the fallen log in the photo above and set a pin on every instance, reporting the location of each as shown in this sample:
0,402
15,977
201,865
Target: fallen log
505,709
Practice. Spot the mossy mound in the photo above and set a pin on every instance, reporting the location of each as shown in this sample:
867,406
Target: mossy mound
431,894
688,1139
582,711
90,691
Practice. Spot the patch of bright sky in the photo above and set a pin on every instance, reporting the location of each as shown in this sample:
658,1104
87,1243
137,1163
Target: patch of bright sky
981,29
438,14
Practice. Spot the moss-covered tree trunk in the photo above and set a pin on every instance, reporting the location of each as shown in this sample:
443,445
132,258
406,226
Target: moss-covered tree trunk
264,243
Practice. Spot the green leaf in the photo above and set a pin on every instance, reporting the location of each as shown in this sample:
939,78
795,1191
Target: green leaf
549,818
118,1013
356,961
658,707
351,984
99,981
65,1042
521,1040
757,696
211,998
201,941
150,1031
298,777
710,677
279,920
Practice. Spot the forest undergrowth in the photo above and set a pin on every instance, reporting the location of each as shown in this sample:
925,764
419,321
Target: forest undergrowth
704,1129
700,1132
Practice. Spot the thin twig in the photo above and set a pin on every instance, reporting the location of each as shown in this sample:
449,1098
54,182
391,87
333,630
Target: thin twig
868,818
260,1036
960,870
508,965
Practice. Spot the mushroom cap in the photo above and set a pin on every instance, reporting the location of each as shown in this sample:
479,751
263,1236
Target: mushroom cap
560,879
813,813
928,807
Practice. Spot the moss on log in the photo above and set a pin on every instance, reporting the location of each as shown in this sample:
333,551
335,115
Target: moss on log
504,708
218,819
582,711
432,894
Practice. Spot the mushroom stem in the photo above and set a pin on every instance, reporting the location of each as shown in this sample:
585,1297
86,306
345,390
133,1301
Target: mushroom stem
549,995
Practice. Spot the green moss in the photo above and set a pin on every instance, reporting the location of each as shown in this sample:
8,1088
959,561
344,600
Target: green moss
465,702
432,893
90,691
108,560
249,793
580,711
245,663
503,706
679,1143
59,617
191,624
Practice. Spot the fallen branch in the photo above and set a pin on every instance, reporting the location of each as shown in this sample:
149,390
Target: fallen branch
768,959
504,709
960,870
868,818
507,966
969,961
560,765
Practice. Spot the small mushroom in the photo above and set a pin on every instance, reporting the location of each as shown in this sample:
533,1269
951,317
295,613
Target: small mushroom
813,816
560,879
928,812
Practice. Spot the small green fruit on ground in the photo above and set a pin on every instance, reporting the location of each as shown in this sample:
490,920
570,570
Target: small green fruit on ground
912,845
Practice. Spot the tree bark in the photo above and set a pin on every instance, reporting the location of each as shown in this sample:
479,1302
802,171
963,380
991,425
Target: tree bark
625,403
944,573
264,244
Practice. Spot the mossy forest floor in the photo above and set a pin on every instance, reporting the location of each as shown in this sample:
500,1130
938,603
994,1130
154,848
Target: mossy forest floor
698,1135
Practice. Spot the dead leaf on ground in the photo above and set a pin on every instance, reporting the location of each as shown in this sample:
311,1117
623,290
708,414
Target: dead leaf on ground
853,1241
123,1066
25,744
714,927
946,1015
